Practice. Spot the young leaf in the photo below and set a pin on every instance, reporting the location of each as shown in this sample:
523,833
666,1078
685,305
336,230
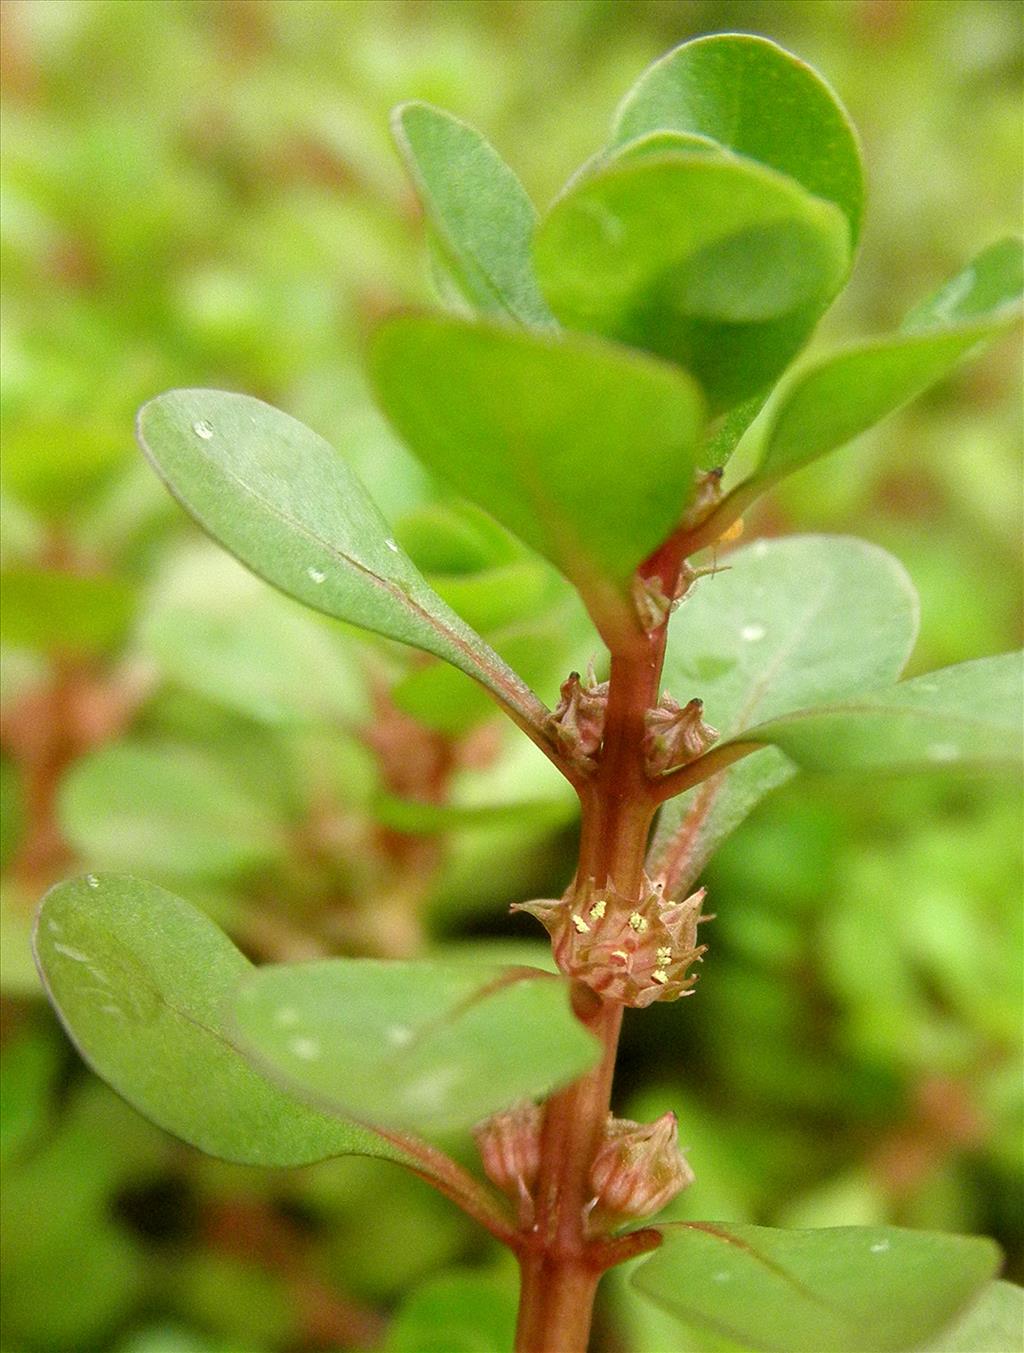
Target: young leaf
482,219
790,623
283,501
849,1289
846,393
967,716
718,263
426,1045
140,980
582,449
750,96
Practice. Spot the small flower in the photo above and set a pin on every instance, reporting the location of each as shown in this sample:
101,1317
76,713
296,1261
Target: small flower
637,1169
675,734
577,721
628,950
509,1146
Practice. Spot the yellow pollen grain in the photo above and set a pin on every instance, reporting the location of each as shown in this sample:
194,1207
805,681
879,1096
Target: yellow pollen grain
637,923
659,976
581,925
664,957
597,910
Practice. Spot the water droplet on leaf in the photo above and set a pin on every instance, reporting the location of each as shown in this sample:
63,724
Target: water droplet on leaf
316,575
203,429
752,633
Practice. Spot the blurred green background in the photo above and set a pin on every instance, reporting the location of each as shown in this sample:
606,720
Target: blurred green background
203,192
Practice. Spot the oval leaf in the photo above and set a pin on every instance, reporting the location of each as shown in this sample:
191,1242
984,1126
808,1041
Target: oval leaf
413,1045
789,622
751,96
994,1324
838,398
140,980
583,450
965,717
482,218
719,264
283,501
848,1289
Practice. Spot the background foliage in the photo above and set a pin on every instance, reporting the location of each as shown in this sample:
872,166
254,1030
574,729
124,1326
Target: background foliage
205,193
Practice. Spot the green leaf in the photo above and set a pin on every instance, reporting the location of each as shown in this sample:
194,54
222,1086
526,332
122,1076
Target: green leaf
967,717
847,1289
284,502
583,450
140,980
482,219
720,264
165,808
788,624
458,1312
64,612
992,1325
426,1045
846,393
989,287
750,96
215,629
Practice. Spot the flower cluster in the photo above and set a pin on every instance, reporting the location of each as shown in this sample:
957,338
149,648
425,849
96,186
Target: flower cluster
577,721
675,734
628,950
637,1169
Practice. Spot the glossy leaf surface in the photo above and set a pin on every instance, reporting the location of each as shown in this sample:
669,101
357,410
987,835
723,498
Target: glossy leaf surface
140,980
481,216
583,450
720,264
848,392
413,1045
847,1289
751,96
285,503
966,716
790,623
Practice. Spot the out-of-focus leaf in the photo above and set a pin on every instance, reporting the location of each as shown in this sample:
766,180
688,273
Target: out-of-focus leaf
994,1324
413,1045
788,622
847,392
282,500
459,1312
216,630
720,264
140,980
168,809
848,1289
64,612
583,450
26,1074
749,95
12,810
967,716
482,218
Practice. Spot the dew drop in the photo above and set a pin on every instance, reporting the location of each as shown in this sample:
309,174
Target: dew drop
92,881
307,1049
752,633
203,430
286,1016
392,545
760,549
879,1247
721,1276
943,751
316,575
399,1035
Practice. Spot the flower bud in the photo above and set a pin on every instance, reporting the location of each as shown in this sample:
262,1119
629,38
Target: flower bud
509,1146
577,721
638,1168
675,734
